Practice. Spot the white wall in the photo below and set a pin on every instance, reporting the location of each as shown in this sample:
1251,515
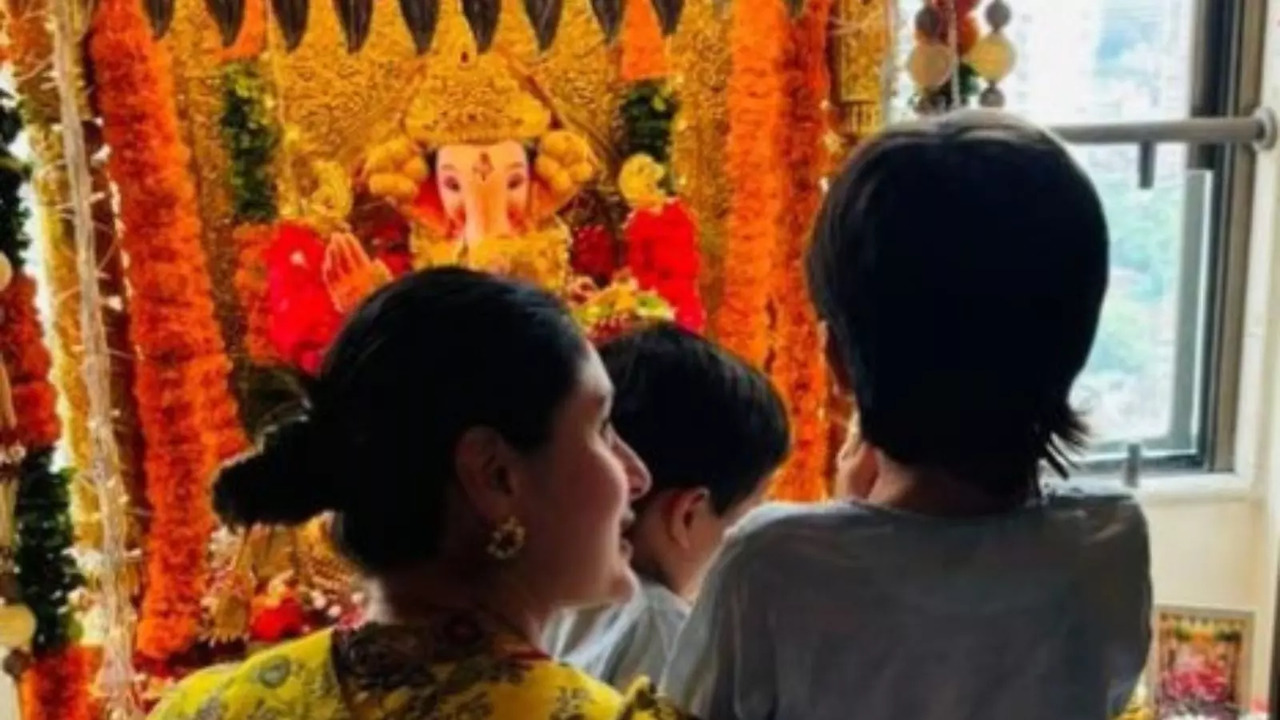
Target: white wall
1216,540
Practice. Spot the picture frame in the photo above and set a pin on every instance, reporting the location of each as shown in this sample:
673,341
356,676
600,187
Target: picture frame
1201,662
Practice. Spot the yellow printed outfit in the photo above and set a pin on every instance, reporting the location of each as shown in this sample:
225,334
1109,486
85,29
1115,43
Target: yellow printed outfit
459,668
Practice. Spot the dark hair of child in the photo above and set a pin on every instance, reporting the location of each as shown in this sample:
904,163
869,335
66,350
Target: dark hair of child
960,265
428,357
697,415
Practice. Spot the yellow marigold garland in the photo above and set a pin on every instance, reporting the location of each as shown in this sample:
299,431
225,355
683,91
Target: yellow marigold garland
185,410
796,367
753,154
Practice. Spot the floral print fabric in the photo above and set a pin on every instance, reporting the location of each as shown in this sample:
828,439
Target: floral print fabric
459,668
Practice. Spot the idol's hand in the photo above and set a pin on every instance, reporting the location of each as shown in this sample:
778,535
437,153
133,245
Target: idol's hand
349,273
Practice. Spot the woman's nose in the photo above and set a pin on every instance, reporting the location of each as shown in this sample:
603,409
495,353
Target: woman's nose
638,479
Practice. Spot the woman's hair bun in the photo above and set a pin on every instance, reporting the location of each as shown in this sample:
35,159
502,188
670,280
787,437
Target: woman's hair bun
283,482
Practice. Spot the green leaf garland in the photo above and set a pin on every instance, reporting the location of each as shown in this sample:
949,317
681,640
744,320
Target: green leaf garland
14,174
250,135
648,111
47,572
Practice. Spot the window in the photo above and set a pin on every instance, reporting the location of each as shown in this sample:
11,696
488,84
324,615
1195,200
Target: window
1161,368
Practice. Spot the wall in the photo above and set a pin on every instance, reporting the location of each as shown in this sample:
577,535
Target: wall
1216,540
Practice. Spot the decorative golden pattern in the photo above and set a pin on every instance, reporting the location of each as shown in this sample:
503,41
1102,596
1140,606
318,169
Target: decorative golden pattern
700,64
346,101
865,32
473,99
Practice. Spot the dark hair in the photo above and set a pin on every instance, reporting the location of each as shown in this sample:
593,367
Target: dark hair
695,414
961,264
424,359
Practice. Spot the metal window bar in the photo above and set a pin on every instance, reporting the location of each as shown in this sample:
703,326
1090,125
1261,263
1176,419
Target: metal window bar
1258,129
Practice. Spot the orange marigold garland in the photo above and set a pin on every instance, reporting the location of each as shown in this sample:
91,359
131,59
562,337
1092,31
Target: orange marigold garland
53,688
644,49
756,105
796,367
185,410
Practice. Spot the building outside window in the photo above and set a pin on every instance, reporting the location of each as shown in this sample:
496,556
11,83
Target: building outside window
1153,378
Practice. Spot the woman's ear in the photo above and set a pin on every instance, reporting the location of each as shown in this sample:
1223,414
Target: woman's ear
483,463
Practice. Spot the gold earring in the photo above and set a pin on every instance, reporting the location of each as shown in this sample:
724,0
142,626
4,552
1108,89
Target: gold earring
506,540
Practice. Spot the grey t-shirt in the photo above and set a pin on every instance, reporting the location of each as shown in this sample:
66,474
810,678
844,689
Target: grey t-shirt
851,611
620,643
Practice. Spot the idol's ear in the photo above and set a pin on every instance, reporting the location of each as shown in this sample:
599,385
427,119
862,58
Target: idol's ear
544,202
427,209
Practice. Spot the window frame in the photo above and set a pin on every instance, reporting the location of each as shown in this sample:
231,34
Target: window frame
1226,82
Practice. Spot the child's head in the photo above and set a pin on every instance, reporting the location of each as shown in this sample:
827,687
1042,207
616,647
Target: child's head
711,430
959,265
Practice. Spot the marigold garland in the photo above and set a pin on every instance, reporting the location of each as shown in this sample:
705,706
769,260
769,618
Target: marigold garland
250,280
184,407
797,369
53,688
756,110
644,49
47,572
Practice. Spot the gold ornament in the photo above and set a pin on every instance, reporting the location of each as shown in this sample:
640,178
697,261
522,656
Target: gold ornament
476,101
330,203
992,57
17,626
506,541
540,257
640,180
931,65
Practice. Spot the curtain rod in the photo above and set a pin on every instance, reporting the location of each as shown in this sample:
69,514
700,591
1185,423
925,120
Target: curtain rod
1258,129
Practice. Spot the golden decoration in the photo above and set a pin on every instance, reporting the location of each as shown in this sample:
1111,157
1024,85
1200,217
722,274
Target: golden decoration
640,180
700,71
474,101
931,65
330,203
540,257
565,163
864,45
17,626
992,57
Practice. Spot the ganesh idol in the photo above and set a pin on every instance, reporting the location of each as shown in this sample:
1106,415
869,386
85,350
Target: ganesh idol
473,174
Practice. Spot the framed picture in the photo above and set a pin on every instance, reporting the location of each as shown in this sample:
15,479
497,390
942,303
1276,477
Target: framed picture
1200,662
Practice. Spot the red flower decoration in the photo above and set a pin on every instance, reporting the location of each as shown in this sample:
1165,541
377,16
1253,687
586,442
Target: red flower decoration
594,253
276,622
303,318
662,253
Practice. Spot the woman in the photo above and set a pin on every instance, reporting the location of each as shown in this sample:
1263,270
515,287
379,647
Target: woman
459,431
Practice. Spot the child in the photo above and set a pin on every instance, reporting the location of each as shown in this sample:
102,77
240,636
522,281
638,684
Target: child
711,430
959,267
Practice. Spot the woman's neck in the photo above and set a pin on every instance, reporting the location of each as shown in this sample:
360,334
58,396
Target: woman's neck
936,493
420,595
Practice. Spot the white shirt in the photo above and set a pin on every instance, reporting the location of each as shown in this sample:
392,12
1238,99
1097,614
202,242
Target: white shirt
854,612
620,643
